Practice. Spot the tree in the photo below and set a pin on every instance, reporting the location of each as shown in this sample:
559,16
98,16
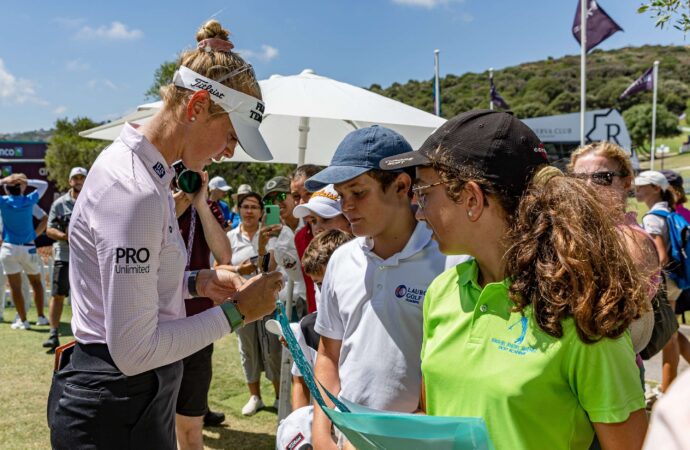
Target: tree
638,119
161,77
66,149
664,10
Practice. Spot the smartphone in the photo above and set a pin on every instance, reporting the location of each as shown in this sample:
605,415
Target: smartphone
62,355
272,214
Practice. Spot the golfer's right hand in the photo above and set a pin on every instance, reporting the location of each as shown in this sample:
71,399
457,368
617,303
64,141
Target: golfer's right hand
257,297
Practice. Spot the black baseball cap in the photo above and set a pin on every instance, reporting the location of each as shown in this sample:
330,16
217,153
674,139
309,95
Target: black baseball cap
674,178
504,150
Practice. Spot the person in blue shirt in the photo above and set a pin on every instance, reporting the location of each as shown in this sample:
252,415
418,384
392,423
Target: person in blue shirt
18,252
218,189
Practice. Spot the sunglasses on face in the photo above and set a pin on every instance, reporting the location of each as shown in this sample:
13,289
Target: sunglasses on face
277,198
604,178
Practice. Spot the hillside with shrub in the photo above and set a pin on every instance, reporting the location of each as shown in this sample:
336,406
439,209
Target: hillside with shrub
553,86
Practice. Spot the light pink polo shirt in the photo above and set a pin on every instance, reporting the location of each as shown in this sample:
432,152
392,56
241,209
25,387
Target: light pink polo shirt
127,261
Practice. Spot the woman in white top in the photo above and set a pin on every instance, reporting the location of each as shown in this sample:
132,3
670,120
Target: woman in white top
652,188
260,351
127,260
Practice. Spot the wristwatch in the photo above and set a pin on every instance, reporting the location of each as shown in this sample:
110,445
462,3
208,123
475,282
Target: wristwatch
233,314
191,283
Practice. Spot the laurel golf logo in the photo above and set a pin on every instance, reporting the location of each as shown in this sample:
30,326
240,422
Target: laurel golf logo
410,294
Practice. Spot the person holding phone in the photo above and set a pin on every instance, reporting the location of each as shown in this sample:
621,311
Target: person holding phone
260,350
281,246
127,260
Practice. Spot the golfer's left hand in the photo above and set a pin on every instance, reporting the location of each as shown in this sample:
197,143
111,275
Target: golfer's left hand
218,284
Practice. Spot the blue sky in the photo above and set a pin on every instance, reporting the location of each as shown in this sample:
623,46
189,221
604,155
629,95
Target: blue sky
96,59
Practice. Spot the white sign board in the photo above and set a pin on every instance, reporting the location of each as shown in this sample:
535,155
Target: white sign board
600,125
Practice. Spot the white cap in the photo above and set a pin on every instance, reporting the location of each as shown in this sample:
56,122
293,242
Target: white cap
294,432
244,189
77,171
324,203
652,177
219,183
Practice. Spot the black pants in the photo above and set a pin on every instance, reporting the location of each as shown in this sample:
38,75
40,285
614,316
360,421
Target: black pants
92,405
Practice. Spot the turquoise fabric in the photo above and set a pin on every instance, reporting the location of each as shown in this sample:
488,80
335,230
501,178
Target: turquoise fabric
369,429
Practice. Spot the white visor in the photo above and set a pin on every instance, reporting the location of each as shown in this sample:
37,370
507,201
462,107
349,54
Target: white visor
324,203
245,111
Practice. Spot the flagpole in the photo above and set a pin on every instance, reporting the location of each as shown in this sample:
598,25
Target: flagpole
655,81
583,62
437,85
491,77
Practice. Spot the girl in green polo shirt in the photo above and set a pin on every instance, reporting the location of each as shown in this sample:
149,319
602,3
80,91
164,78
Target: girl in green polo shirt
531,334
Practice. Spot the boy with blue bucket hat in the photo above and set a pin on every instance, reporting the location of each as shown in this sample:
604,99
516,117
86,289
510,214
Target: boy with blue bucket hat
370,308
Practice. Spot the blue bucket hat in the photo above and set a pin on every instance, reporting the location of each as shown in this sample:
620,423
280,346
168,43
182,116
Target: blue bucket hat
361,151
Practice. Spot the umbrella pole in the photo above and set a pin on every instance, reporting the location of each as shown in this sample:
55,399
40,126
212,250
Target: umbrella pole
302,143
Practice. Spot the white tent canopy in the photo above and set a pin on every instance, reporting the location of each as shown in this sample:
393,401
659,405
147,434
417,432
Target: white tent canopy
307,116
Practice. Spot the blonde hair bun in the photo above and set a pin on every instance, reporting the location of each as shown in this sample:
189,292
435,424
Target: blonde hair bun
212,29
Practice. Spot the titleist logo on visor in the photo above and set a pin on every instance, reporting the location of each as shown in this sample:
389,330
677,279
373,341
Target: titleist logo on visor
203,84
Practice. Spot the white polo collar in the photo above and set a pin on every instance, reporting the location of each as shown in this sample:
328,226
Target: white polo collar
149,154
418,241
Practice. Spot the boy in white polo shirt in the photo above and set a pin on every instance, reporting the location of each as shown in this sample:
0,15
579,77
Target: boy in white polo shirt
370,309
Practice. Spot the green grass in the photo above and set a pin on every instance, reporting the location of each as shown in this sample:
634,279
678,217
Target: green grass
26,370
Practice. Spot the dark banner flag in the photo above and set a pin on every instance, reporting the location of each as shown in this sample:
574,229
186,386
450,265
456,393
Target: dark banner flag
599,24
495,96
644,83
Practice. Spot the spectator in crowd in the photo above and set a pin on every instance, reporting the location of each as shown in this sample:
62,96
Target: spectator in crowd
40,221
218,190
201,223
260,350
18,253
303,237
653,189
58,230
241,190
540,316
282,248
299,193
373,289
607,168
314,262
323,212
676,184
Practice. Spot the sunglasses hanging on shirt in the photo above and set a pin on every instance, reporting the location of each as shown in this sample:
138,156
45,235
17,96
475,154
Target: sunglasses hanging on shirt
187,180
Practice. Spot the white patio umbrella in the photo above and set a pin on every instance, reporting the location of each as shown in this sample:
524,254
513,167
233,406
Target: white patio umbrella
307,116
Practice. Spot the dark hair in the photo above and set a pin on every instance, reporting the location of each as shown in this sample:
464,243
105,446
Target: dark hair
242,197
321,248
386,177
305,171
564,254
669,197
14,189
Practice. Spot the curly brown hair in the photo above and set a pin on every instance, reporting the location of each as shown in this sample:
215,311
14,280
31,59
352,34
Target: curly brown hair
321,249
565,257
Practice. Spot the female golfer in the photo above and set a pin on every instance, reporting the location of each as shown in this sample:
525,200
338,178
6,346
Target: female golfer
538,319
119,388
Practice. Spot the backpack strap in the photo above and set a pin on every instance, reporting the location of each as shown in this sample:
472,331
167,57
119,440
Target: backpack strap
659,213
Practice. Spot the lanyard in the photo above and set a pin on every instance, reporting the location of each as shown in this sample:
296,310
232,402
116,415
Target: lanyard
190,236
